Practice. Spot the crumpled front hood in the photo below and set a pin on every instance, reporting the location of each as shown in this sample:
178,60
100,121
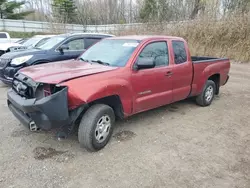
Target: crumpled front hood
62,71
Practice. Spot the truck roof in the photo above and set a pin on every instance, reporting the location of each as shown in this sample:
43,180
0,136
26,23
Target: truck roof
145,37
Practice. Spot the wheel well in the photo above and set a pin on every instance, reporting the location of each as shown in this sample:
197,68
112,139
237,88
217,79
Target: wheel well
114,102
216,79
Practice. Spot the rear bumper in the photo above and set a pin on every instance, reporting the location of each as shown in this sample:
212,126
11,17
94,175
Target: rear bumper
47,113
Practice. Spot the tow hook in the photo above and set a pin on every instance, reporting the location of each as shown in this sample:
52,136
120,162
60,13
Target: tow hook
33,127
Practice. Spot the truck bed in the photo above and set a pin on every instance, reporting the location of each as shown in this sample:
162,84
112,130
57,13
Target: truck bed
203,67
205,59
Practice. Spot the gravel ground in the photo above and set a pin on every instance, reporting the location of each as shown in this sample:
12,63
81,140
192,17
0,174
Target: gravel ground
180,145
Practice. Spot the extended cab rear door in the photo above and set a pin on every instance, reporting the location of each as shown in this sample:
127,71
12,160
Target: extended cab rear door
152,86
182,70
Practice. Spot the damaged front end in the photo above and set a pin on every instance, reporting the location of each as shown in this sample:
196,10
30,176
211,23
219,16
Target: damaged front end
40,105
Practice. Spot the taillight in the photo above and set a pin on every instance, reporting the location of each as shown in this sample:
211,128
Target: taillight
47,90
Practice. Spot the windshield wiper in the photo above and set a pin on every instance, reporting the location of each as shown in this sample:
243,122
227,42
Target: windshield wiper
100,62
86,60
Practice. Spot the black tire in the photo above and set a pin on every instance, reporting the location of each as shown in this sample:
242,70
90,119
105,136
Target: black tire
201,99
87,128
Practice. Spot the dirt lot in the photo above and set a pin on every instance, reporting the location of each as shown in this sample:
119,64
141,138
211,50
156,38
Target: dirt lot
181,145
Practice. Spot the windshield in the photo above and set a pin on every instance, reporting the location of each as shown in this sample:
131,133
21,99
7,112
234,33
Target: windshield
21,41
111,52
41,42
31,42
50,43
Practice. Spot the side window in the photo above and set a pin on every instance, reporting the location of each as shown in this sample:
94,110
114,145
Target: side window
180,55
90,41
157,50
76,45
3,36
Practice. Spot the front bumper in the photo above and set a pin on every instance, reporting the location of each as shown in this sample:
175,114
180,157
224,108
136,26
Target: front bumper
7,74
6,81
47,113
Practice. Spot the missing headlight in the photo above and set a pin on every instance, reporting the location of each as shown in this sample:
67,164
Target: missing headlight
45,90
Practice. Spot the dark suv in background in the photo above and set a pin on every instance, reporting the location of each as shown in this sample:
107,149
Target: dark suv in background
57,48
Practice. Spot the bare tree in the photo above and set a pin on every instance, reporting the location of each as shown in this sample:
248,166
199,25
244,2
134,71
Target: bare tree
129,11
42,9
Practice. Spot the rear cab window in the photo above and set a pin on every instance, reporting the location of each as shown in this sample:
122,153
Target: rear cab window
180,54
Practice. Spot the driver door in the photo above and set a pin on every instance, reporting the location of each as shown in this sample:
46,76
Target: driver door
75,48
153,86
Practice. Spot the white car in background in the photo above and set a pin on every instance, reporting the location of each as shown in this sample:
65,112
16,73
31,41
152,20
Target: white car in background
10,47
36,41
5,38
30,43
33,41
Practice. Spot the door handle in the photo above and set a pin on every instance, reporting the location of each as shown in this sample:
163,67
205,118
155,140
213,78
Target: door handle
169,73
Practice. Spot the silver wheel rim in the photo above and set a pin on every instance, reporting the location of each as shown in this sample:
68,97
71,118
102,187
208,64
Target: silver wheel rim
102,128
209,93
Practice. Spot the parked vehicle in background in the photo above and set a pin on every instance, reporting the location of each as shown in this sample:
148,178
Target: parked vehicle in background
36,41
23,44
21,41
10,47
4,35
57,48
115,78
5,38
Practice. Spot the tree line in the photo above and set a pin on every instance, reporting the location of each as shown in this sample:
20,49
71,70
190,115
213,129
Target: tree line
119,11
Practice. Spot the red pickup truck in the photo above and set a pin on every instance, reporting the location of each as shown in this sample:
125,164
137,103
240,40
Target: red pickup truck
115,78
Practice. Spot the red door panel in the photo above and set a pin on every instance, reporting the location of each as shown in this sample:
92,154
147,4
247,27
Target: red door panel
152,88
182,78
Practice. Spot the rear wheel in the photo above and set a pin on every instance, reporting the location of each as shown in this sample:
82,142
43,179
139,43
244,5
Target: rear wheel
207,95
96,127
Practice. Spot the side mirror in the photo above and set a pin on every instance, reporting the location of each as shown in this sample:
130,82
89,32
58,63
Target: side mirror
145,63
63,47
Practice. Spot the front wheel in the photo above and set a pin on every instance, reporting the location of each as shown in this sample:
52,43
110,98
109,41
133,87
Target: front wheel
96,127
207,95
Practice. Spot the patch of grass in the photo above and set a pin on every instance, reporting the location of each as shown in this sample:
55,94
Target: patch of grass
14,34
